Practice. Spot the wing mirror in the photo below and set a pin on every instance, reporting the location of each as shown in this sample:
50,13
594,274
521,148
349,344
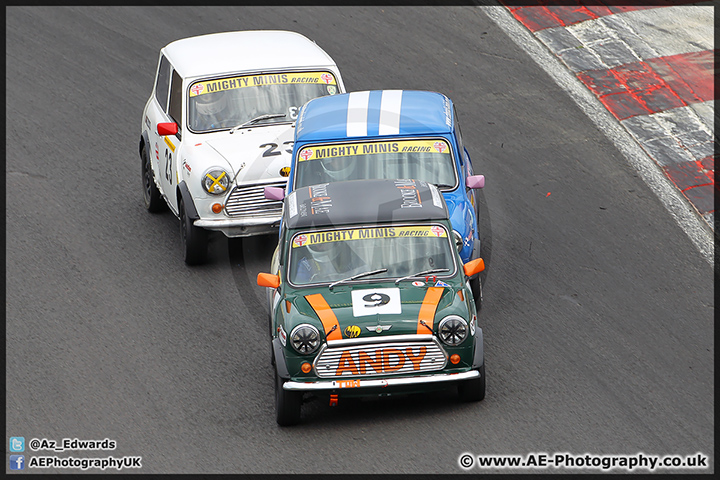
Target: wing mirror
268,280
474,266
274,193
167,128
475,181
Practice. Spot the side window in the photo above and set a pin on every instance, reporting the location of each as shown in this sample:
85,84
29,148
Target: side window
176,93
162,83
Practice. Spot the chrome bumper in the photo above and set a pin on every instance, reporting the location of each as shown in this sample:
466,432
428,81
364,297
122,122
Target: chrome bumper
241,227
379,383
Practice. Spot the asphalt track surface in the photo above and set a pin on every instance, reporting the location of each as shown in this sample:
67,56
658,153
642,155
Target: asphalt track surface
598,309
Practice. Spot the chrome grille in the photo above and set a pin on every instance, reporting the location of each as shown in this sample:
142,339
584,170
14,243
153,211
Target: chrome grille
380,359
250,201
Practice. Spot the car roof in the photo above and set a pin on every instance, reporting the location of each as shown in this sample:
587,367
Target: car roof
364,202
252,50
374,113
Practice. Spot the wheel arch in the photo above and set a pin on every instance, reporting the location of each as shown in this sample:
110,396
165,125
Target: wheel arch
143,141
183,194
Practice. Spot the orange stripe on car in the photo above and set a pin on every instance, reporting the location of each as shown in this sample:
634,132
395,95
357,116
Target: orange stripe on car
326,315
427,310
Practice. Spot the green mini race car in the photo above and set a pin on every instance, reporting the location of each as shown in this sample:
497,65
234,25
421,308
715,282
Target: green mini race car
369,296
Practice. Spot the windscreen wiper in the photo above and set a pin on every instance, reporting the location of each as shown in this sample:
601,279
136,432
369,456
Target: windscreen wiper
252,121
359,275
420,274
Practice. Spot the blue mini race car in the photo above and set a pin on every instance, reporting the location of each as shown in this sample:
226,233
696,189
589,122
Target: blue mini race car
391,134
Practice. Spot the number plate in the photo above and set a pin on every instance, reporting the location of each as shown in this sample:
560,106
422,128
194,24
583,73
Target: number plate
348,383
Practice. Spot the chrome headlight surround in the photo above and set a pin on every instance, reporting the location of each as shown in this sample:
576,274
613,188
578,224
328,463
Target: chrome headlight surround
216,181
305,339
458,240
453,330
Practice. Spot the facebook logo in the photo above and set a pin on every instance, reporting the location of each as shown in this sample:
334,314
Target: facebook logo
17,462
17,444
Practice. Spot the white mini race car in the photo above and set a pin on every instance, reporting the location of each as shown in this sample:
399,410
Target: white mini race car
219,126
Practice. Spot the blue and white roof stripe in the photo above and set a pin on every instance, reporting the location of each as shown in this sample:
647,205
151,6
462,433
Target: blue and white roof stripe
374,113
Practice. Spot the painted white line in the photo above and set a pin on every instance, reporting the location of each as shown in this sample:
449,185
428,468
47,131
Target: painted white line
675,203
673,30
643,34
681,130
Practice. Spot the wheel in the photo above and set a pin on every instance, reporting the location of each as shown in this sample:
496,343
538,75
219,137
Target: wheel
473,390
287,404
194,239
151,195
476,287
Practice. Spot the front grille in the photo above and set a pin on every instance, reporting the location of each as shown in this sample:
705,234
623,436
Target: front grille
250,201
380,359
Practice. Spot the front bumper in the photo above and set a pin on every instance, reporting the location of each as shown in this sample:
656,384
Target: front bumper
379,383
241,227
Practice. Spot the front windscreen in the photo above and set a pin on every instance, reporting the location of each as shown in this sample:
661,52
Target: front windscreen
224,103
331,255
429,160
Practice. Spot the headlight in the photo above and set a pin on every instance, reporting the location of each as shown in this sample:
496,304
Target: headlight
458,240
305,339
453,330
216,181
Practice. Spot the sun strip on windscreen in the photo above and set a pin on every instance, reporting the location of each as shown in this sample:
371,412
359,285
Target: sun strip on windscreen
432,231
223,84
326,316
318,152
427,310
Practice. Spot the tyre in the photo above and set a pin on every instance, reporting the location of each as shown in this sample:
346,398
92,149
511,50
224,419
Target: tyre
152,198
473,390
272,353
194,239
287,404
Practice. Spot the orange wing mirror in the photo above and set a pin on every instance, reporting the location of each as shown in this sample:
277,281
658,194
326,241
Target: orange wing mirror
268,280
474,266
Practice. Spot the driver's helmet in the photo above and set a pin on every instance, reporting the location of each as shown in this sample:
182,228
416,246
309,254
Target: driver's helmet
210,103
338,168
323,253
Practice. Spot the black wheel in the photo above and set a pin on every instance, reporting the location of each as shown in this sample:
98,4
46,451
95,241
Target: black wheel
473,390
287,404
194,239
151,195
476,287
